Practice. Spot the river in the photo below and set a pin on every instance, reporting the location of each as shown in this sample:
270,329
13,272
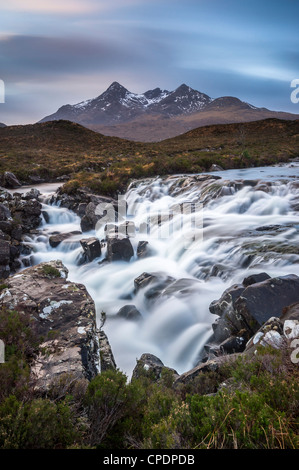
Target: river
237,229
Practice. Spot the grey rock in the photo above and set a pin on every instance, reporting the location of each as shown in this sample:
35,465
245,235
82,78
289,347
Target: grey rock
152,367
107,361
55,304
129,312
57,238
119,249
91,247
9,180
254,278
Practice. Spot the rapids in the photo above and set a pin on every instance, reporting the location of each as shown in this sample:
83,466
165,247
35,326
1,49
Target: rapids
240,229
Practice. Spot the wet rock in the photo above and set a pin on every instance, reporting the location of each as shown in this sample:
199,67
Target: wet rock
129,312
155,284
151,366
143,249
57,238
28,212
233,344
144,280
119,249
254,278
181,287
61,307
9,180
107,361
226,302
32,194
91,247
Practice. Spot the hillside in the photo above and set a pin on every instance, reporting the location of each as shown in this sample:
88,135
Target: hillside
106,164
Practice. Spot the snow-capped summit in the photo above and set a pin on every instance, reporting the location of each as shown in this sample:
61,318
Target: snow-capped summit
117,104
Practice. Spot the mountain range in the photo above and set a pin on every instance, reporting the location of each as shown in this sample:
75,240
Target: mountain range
159,114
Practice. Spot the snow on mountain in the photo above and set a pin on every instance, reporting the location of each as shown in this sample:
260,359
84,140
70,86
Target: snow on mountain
119,105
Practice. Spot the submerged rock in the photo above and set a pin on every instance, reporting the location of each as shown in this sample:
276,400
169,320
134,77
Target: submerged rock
57,238
129,312
63,313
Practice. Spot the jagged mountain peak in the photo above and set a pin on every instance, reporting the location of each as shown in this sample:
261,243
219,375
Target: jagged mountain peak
117,105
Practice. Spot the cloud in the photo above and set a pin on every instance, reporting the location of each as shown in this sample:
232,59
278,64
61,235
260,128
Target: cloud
69,7
50,6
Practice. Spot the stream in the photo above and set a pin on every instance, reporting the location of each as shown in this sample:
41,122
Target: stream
244,223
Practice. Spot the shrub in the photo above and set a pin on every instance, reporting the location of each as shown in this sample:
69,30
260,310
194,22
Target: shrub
39,424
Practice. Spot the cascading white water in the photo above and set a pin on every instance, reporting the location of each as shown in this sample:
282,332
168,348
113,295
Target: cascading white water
236,227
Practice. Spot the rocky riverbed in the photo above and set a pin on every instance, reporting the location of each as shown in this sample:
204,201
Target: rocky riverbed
109,282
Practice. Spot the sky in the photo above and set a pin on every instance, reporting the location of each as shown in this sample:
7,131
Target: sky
55,52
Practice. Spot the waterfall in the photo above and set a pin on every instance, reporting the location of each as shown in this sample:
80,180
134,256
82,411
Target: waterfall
241,227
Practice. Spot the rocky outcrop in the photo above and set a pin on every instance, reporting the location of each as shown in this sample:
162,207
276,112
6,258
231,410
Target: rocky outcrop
244,308
63,313
19,214
152,367
107,361
90,207
214,365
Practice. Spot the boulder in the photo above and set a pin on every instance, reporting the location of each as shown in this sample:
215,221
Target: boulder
91,247
119,249
63,313
32,194
129,312
215,167
266,299
246,309
98,208
254,278
57,238
152,367
9,180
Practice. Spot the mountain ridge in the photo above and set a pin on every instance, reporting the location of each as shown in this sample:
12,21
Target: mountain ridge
158,114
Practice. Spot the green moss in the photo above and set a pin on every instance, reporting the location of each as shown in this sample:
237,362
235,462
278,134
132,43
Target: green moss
51,271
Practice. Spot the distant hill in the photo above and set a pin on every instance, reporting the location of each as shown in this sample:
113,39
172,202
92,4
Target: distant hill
159,114
2,125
